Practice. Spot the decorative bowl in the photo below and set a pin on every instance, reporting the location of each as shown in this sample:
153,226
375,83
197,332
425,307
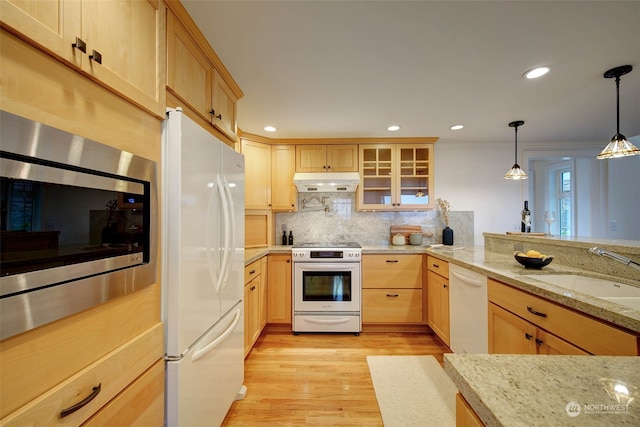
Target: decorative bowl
530,262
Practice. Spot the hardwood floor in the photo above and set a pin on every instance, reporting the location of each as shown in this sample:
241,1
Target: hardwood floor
319,379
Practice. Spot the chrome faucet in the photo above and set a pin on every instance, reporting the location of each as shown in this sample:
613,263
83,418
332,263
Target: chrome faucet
602,252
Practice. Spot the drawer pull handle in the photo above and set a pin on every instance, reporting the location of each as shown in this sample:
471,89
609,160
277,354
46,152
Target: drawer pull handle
393,295
444,286
253,288
252,271
392,260
436,265
70,410
528,336
539,341
537,313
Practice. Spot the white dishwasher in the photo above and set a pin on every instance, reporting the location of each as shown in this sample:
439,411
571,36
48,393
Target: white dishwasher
468,306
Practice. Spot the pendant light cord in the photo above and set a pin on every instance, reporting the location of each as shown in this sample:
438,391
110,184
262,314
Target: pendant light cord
516,153
617,105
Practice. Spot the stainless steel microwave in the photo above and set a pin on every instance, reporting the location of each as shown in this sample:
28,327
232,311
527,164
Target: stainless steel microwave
77,224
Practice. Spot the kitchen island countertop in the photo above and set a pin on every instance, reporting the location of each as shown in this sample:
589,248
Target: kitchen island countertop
542,390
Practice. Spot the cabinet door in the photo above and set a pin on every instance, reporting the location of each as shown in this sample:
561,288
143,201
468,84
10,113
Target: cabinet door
392,305
551,344
279,288
262,297
311,158
342,158
223,113
375,192
438,305
284,196
509,334
414,180
189,72
257,160
130,37
51,24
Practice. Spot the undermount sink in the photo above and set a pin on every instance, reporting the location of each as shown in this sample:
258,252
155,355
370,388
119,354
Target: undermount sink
619,293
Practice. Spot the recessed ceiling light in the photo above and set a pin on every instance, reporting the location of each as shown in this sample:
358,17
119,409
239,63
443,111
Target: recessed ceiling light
456,127
269,128
536,72
393,128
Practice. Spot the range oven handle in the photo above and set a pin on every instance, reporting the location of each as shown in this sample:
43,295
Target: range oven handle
322,266
327,321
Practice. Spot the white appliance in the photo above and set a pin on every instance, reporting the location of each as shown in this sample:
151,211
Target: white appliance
203,273
327,287
468,311
326,182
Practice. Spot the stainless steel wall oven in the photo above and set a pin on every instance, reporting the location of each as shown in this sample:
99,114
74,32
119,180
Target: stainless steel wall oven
327,287
77,225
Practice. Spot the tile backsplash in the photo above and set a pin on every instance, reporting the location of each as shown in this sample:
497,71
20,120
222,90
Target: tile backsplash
326,217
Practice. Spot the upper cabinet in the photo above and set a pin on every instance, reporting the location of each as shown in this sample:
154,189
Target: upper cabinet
396,177
257,167
195,75
327,158
119,44
284,195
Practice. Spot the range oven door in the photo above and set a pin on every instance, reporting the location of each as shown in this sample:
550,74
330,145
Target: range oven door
326,287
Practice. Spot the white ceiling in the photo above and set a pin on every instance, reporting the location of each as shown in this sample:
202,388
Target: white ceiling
331,69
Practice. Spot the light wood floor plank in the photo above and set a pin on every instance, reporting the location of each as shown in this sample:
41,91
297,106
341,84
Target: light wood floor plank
319,379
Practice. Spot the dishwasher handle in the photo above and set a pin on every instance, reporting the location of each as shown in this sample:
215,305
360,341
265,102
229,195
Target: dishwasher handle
468,280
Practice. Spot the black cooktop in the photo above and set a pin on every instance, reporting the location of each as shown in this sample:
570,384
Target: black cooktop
327,245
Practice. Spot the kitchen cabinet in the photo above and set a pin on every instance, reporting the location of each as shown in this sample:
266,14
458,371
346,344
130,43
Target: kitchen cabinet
465,415
392,289
264,274
257,167
119,44
438,298
194,76
252,304
327,158
396,177
284,195
515,315
279,288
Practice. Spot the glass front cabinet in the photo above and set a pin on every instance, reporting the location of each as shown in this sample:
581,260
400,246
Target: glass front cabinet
396,177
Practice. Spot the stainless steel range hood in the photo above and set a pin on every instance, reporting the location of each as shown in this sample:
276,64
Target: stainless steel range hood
326,182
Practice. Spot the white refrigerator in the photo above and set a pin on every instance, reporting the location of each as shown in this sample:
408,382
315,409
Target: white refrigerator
203,273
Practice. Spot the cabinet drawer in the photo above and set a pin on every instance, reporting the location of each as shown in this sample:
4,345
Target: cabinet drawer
140,404
590,334
252,270
113,373
392,271
392,306
438,266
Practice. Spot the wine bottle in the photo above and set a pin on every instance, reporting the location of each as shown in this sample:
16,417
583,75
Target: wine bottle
284,238
526,218
291,237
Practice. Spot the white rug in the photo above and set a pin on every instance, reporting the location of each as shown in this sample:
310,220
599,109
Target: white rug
413,391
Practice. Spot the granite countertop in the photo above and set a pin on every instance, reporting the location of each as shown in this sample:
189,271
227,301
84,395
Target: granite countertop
541,390
503,267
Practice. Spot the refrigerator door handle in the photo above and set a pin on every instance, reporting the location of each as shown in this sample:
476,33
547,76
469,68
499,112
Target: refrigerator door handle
200,353
230,236
224,267
209,249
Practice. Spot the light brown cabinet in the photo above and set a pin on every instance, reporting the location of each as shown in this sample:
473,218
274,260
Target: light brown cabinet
252,305
438,298
392,289
284,195
119,44
465,415
520,322
327,158
193,78
396,177
279,290
257,166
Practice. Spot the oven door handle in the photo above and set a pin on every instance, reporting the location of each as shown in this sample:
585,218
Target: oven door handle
327,321
321,266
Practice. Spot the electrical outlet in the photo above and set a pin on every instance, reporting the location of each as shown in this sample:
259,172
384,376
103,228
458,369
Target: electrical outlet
613,226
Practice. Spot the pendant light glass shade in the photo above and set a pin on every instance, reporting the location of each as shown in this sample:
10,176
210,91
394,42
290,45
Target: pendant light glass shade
516,172
619,146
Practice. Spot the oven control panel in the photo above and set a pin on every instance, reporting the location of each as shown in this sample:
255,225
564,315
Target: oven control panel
333,255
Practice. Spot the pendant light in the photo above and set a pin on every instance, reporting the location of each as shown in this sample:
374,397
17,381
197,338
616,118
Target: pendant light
619,146
515,172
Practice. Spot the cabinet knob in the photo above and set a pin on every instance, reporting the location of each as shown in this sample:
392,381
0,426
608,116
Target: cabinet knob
528,336
96,56
253,288
539,341
80,45
444,286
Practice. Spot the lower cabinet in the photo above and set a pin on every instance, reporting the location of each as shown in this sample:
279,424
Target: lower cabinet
520,322
279,289
465,415
392,289
253,291
438,298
